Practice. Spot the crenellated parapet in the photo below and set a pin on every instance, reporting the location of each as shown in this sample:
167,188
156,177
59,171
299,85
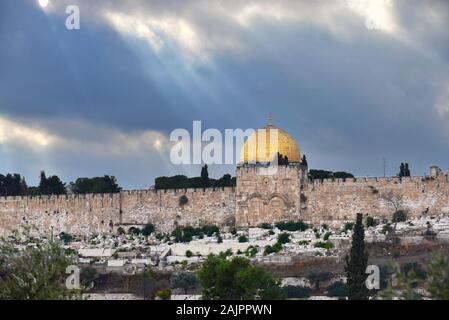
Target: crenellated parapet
99,213
284,195
342,199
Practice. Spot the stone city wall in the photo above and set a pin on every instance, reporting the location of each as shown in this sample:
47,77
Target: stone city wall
264,197
341,200
100,213
319,201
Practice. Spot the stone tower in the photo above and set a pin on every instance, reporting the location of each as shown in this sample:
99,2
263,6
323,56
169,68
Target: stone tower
270,178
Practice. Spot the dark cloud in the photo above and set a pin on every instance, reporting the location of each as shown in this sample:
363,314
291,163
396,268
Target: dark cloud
350,95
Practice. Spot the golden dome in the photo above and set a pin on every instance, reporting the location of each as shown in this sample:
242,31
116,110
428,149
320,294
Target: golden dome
285,145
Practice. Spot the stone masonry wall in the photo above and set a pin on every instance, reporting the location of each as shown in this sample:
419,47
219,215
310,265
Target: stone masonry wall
263,197
84,214
285,197
341,200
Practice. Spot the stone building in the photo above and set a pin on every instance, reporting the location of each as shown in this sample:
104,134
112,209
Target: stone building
266,191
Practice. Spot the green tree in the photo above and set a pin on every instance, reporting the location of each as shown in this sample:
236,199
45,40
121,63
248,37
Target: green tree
175,182
236,279
403,286
106,184
404,170
342,175
35,273
205,177
296,292
337,289
148,229
12,185
318,277
323,174
185,281
51,185
438,276
225,181
356,263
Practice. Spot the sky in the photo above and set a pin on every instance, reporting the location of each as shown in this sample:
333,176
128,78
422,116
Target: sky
353,81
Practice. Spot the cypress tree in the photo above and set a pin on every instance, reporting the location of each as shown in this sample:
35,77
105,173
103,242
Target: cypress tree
205,177
356,263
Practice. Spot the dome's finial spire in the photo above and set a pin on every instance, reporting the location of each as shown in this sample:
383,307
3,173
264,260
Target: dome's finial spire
270,120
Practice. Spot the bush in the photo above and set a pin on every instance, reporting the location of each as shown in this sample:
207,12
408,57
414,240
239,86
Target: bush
266,226
183,200
134,230
225,254
399,216
87,276
386,228
298,292
65,237
189,254
292,226
185,281
371,222
273,249
283,238
164,294
348,226
318,277
148,229
327,235
415,267
304,242
120,231
251,251
243,238
277,247
268,249
219,239
210,230
324,244
337,289
186,234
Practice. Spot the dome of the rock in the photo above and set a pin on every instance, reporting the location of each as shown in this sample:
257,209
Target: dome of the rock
276,141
